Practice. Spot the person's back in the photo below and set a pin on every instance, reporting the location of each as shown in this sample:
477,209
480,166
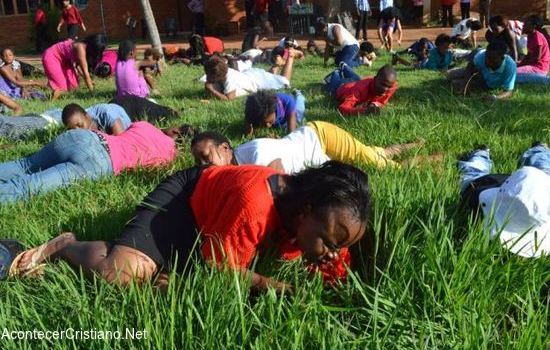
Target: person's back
503,77
536,41
106,114
62,51
347,37
128,79
142,144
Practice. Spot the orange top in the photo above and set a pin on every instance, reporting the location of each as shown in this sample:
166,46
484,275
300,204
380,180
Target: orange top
354,96
235,212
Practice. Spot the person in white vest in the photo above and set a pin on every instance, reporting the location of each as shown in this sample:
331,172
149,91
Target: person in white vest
338,36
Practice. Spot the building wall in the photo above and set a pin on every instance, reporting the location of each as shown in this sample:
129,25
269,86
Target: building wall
513,9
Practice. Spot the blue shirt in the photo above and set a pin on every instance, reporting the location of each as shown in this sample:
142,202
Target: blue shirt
438,61
415,49
504,77
362,5
286,105
105,116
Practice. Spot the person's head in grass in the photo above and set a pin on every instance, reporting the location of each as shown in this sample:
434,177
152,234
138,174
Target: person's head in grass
126,50
366,48
442,43
212,148
474,24
216,70
103,70
321,27
498,24
385,79
76,117
152,54
182,133
278,56
260,110
494,56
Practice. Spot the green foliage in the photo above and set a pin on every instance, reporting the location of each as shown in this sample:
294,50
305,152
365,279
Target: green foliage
444,284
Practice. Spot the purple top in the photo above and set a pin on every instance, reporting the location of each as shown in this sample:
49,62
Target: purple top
128,80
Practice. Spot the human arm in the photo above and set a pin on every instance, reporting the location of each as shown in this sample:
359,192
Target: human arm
532,57
61,21
380,35
399,32
263,283
474,38
277,164
292,122
82,63
512,45
326,54
117,128
12,77
209,87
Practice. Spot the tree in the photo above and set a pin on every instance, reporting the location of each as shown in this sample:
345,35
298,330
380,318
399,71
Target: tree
151,24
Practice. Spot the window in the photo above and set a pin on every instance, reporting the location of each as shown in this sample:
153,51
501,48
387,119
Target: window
22,6
8,8
16,7
81,4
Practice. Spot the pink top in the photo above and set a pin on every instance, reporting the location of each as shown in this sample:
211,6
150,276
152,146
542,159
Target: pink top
537,39
110,57
63,52
141,145
129,81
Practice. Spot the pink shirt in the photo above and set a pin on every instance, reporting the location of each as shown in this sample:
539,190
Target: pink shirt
129,81
141,145
110,57
537,39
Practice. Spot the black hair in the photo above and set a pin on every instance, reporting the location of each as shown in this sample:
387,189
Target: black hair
258,106
498,47
277,51
442,39
95,45
216,69
196,45
497,20
387,71
366,46
332,185
474,24
70,110
320,25
538,23
214,136
124,49
289,41
423,41
103,70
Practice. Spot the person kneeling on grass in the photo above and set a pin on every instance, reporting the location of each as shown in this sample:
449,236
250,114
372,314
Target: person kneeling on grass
225,83
515,208
389,22
361,96
491,69
267,109
317,214
439,58
338,36
464,30
311,145
85,154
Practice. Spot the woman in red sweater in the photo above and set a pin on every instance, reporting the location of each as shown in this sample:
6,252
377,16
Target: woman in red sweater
236,212
71,17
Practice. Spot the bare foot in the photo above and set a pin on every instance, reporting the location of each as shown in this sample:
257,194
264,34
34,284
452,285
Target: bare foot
56,95
30,259
394,150
18,110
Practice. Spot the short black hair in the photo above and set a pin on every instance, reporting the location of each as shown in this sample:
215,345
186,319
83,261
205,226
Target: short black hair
497,20
277,51
474,24
95,45
213,136
125,48
387,71
498,47
103,70
442,39
366,46
70,110
258,106
216,69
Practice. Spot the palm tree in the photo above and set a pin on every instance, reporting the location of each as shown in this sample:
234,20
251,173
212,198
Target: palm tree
151,24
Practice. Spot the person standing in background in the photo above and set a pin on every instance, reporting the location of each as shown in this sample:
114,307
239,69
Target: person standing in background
384,4
447,8
465,8
363,10
41,28
71,17
419,11
484,12
197,8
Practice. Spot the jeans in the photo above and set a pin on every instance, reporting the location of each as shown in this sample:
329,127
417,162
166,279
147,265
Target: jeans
479,163
74,155
348,54
300,106
340,76
17,128
465,10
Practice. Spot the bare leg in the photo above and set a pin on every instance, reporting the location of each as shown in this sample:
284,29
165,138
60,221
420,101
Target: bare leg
287,69
11,104
150,80
423,160
395,150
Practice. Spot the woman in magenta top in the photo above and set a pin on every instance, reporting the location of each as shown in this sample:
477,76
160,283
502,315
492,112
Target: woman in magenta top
537,60
64,61
107,66
86,154
129,78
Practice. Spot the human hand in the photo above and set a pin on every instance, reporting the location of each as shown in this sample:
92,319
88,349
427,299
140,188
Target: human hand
490,98
58,29
372,109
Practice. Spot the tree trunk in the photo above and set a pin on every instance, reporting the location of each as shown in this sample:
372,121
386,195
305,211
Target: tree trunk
151,24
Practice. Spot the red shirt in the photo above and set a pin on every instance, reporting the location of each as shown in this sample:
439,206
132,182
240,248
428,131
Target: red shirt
40,17
71,16
353,96
235,212
261,6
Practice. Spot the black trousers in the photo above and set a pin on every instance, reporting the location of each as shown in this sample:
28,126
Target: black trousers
447,16
139,108
199,23
41,38
465,10
72,31
362,24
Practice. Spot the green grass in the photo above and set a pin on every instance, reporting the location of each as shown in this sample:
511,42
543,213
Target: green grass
444,284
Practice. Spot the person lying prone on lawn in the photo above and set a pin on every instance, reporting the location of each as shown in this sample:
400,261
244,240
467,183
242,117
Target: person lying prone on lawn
311,145
317,214
361,96
86,154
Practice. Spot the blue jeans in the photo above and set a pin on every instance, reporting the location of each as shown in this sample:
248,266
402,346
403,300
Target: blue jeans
532,78
348,54
17,128
300,106
479,163
74,155
340,76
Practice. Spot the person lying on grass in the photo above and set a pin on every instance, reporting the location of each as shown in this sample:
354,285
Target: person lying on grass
491,69
311,145
86,154
438,58
109,118
225,83
361,96
316,214
515,208
266,109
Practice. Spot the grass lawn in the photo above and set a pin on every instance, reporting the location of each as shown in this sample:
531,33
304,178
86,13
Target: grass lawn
443,285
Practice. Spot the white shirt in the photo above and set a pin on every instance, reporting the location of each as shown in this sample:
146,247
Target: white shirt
251,80
461,29
347,38
297,150
385,3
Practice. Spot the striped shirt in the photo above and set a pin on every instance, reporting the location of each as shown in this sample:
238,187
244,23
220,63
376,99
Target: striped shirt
362,5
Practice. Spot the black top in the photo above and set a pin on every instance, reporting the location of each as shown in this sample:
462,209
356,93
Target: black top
390,13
